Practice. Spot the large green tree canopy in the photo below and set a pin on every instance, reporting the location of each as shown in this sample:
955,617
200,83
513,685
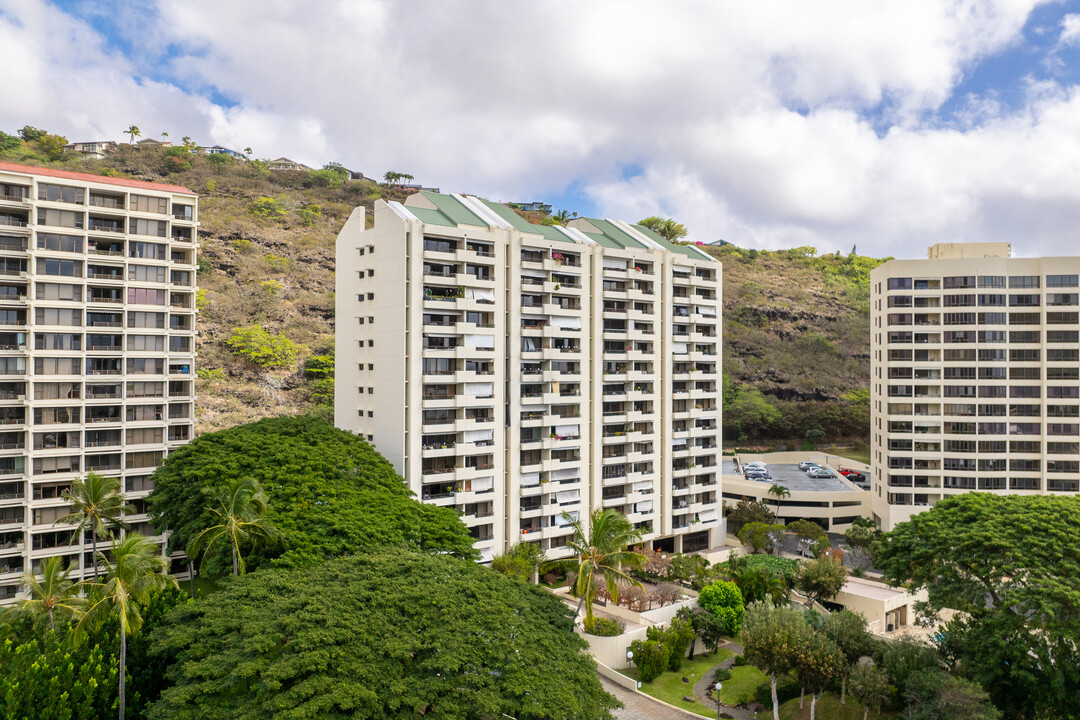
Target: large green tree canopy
1010,565
330,493
394,634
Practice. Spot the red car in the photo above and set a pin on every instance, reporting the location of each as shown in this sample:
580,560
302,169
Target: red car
848,472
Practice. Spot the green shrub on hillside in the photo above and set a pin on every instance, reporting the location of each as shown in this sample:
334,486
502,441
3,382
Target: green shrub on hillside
260,347
320,369
219,159
267,208
309,214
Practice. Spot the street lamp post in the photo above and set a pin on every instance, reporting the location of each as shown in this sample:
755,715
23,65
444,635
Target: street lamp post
630,659
719,687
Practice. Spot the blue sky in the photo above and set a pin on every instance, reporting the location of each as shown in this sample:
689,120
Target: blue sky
888,124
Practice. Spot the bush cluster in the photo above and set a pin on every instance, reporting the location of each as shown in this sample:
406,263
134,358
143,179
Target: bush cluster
605,627
260,347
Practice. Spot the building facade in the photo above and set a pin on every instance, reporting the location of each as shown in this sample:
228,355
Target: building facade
975,377
516,371
97,348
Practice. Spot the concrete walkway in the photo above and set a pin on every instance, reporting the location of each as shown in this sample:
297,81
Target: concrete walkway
639,706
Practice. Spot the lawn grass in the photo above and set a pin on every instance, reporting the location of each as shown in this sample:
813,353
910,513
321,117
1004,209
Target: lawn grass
670,688
859,453
742,687
829,708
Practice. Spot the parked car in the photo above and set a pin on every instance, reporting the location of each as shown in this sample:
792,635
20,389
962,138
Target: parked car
848,472
758,475
810,466
805,465
756,464
820,472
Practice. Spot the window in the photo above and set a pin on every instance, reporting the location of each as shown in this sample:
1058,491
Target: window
146,343
60,218
56,291
57,391
145,366
57,341
59,243
991,281
966,281
140,389
144,296
1062,336
146,320
147,204
147,251
1061,281
65,268
58,316
143,436
60,193
146,273
144,459
1059,299
1023,281
140,227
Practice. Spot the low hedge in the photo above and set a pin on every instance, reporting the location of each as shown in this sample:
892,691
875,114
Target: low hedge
605,627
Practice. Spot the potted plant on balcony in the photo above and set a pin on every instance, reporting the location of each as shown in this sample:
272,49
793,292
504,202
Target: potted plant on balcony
558,257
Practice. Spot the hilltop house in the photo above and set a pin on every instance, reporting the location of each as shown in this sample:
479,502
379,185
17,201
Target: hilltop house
284,163
219,150
96,149
151,142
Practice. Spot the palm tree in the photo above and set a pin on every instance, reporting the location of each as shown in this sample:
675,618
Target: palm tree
664,227
54,592
779,492
96,507
137,568
600,554
756,583
240,514
134,132
164,134
247,151
563,216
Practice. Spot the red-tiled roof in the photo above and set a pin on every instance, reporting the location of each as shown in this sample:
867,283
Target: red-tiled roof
87,177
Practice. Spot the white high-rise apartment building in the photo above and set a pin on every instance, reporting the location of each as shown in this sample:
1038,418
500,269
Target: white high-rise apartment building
975,377
515,371
97,348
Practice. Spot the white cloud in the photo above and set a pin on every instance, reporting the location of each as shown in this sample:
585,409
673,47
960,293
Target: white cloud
760,123
1070,30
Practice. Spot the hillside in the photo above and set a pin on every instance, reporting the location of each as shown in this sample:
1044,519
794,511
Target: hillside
796,337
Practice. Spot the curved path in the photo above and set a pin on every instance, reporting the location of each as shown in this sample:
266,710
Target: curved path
703,687
639,706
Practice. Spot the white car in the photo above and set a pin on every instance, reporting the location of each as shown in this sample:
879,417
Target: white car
819,472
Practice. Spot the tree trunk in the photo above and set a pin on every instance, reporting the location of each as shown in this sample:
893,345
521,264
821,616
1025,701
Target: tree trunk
865,711
191,577
693,647
802,694
51,627
235,565
843,689
93,555
123,670
813,703
775,700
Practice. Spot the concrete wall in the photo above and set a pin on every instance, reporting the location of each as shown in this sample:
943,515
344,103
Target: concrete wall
611,651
